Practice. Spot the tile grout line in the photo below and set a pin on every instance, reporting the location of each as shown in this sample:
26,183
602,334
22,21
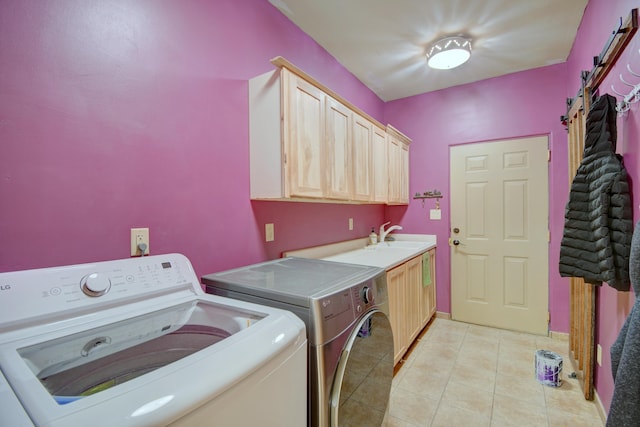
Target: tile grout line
435,413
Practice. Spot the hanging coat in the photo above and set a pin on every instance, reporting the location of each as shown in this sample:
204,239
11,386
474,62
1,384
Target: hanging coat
598,215
625,354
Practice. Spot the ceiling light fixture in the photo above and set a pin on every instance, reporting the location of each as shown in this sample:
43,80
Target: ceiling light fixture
448,53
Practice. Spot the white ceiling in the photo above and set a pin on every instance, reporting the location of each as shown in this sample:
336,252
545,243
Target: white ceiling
383,42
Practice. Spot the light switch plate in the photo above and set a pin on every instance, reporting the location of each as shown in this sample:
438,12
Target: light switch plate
435,214
599,355
350,224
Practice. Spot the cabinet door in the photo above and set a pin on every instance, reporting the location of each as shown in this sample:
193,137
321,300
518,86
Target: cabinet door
398,171
379,151
394,170
396,285
304,148
362,176
404,174
414,293
428,294
338,132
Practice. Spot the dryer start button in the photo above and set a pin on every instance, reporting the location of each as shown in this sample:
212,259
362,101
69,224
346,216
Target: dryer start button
95,285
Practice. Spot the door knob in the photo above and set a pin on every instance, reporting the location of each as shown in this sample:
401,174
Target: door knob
456,242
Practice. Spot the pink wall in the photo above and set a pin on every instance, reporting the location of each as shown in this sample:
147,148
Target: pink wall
517,105
600,19
133,113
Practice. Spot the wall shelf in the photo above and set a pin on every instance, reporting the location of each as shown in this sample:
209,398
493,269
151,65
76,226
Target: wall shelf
435,194
428,195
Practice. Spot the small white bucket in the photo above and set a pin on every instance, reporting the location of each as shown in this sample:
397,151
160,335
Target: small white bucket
548,367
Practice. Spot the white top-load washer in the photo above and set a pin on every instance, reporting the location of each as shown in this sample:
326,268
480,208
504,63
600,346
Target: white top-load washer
136,342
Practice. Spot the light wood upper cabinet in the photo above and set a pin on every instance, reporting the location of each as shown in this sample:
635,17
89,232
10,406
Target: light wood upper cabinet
362,159
304,143
308,143
395,162
404,174
379,161
338,149
398,167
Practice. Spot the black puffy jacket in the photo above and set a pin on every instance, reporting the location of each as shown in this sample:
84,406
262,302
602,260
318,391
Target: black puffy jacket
598,218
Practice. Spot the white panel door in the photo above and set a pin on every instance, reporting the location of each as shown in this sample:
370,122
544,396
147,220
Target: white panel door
499,234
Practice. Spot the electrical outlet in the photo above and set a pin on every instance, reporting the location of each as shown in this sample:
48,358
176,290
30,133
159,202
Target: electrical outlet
269,234
350,224
139,235
599,355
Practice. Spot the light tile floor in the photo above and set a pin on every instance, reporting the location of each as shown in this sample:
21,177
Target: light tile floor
466,375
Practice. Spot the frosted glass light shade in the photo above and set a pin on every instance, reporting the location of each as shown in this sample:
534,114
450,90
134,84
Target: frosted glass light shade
449,53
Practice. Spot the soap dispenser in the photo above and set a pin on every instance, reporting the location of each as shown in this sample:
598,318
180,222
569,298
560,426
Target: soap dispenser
373,237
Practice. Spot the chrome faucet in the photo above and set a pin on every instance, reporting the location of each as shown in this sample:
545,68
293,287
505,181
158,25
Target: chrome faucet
383,232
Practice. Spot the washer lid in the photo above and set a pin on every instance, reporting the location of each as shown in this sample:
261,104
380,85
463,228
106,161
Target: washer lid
86,363
292,280
39,366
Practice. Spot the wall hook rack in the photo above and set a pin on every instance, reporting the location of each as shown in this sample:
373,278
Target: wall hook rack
434,194
630,98
603,63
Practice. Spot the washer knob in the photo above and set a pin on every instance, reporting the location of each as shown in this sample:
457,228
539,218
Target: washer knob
366,295
95,285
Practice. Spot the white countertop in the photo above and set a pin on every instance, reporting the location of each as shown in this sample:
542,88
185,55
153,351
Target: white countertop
385,254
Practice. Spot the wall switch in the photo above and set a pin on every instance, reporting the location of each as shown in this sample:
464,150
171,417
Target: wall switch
350,224
599,355
269,235
139,236
435,214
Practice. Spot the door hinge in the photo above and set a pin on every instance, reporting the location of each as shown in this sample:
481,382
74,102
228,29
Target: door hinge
548,317
548,236
548,155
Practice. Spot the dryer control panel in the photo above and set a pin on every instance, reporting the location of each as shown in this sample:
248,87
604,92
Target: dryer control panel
334,313
39,293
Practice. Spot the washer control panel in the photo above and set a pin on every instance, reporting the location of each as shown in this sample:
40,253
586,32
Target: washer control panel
95,284
41,292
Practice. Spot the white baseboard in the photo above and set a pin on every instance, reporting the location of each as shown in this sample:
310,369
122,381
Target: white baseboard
601,411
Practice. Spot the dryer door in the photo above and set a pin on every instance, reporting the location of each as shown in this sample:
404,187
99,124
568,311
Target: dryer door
360,392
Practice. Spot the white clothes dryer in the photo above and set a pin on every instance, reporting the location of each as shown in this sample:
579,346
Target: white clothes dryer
136,342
